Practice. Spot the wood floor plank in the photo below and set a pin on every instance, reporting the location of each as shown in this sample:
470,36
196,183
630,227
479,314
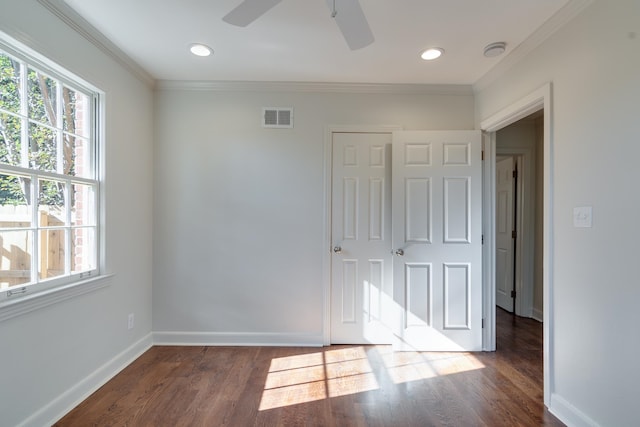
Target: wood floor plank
332,386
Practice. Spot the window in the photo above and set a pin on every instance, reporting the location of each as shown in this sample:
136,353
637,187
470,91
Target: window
49,181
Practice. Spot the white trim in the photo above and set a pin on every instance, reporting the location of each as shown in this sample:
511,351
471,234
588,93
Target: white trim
26,50
81,26
546,30
540,98
275,339
537,314
489,247
28,303
60,406
518,110
326,232
312,87
569,414
326,246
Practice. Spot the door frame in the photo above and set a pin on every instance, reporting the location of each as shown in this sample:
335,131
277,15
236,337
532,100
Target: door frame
327,243
538,99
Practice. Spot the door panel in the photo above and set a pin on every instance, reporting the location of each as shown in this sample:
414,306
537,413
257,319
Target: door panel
437,235
361,228
504,228
457,213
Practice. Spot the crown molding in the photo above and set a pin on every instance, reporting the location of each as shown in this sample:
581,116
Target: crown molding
546,30
81,26
314,87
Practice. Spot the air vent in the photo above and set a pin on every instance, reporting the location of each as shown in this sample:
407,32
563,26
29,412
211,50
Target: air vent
277,117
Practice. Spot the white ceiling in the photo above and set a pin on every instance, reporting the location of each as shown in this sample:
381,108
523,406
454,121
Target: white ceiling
297,40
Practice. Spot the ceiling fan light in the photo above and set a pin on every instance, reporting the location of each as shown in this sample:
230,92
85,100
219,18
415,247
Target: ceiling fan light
199,49
431,53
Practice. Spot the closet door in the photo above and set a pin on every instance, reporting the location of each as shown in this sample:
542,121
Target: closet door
437,240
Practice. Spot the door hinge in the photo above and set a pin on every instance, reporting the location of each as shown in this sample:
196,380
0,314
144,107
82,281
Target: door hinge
513,294
515,174
482,155
514,234
483,239
482,323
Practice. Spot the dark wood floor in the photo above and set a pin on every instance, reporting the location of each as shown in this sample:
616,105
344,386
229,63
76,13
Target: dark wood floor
331,386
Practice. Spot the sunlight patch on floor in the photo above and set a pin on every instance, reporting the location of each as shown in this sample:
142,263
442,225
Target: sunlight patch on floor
316,376
408,366
305,378
292,395
348,372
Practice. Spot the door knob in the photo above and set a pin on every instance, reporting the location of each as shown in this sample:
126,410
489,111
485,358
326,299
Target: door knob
337,250
399,252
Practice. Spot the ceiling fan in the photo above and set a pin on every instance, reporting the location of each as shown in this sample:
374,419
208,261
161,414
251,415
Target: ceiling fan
348,15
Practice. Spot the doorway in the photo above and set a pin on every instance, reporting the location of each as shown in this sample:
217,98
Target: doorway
538,100
519,201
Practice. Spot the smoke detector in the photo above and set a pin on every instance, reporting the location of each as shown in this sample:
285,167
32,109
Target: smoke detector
495,49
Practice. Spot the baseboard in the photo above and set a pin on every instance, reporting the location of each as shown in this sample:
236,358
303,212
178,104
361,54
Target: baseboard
68,400
537,315
569,414
237,339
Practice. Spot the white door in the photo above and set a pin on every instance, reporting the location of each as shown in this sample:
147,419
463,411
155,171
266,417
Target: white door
361,238
504,232
437,238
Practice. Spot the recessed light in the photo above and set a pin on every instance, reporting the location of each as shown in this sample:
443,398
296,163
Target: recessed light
431,53
495,49
199,49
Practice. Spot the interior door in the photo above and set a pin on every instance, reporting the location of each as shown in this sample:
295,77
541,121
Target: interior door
437,240
361,238
504,230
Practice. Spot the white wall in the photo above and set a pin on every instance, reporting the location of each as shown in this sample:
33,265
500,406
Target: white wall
239,209
52,356
594,66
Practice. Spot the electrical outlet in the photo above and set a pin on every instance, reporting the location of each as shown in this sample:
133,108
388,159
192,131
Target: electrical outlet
130,321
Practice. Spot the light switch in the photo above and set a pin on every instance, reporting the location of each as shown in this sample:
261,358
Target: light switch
583,217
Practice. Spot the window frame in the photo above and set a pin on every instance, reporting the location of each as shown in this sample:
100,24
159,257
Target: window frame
22,298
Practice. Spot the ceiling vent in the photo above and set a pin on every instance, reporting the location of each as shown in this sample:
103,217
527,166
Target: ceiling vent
277,117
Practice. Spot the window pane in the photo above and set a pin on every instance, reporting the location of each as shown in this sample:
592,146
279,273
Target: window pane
9,84
10,139
77,117
42,153
15,194
83,249
77,156
52,244
42,98
83,205
76,125
51,206
15,263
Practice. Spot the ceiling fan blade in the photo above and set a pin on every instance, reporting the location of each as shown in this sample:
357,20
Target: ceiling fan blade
248,11
352,22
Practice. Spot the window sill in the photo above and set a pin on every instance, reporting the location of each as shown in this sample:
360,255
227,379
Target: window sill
26,304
